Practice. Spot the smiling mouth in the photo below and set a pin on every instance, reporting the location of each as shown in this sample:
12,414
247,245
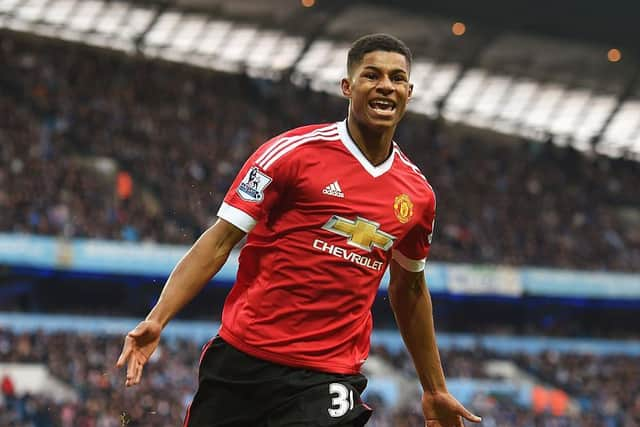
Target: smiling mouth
382,106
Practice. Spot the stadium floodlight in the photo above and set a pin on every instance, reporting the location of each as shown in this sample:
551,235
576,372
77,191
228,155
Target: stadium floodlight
6,6
316,56
85,15
333,71
570,112
322,66
134,24
542,110
634,147
420,73
58,11
237,46
116,25
187,31
442,79
272,53
290,49
212,37
30,10
163,28
16,24
623,133
595,116
432,81
267,43
111,18
514,107
259,60
491,97
461,100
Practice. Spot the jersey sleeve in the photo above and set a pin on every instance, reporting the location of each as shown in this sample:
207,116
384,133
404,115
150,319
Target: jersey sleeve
257,187
412,251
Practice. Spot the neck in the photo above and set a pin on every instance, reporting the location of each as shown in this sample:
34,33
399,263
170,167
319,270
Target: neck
374,144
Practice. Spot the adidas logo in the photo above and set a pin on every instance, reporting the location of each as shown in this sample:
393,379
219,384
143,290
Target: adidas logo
333,189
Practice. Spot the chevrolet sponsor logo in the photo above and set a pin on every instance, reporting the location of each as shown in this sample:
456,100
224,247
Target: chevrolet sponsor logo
347,255
361,233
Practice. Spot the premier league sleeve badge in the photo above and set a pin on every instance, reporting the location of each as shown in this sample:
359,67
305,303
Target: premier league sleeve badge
251,189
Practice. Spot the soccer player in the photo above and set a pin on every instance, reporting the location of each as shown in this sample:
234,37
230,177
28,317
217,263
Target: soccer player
327,209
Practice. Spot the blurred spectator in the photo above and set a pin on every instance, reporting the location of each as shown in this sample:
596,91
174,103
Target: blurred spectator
8,390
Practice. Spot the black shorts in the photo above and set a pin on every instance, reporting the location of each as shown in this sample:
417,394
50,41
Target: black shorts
238,390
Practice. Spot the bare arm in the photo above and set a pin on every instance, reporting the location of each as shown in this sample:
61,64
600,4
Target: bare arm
411,305
193,271
205,258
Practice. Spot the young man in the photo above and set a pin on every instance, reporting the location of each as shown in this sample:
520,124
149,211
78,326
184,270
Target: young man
327,208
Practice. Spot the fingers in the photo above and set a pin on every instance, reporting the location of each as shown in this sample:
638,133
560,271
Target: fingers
469,416
139,373
128,346
133,361
134,371
126,352
132,368
446,412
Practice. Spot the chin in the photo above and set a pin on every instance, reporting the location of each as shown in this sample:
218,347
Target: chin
376,124
381,124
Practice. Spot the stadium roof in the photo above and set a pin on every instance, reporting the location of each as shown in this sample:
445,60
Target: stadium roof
612,21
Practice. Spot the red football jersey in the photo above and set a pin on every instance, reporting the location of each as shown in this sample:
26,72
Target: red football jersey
323,224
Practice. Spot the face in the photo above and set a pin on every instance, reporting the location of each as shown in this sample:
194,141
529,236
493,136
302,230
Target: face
378,90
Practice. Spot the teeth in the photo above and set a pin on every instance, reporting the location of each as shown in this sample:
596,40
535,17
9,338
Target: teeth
382,104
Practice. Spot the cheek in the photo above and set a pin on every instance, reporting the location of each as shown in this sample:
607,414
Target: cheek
405,97
360,99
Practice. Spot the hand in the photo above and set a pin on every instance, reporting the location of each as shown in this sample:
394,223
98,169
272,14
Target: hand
441,409
139,345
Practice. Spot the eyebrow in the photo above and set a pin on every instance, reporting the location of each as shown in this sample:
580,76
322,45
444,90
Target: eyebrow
393,71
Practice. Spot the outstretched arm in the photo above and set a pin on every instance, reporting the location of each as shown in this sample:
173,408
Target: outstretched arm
193,271
205,258
411,305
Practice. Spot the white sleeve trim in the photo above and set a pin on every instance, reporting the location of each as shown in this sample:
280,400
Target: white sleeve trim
235,216
414,265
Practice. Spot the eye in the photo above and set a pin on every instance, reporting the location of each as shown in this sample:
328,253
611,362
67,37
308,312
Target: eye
370,76
399,78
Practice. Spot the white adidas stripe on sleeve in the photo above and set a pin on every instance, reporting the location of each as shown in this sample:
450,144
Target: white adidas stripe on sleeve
295,145
281,144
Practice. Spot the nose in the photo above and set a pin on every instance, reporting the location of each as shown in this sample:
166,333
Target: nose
385,85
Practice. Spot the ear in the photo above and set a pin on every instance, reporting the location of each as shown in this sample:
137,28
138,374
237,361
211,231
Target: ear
410,91
345,86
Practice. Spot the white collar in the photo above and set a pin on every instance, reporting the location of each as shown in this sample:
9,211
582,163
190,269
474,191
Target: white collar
374,171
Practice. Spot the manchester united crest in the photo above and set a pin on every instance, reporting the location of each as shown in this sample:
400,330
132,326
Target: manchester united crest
403,208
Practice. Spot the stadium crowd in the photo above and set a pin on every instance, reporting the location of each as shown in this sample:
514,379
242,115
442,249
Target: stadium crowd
606,390
75,121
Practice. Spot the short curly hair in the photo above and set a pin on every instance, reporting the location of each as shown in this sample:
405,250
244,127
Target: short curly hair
372,43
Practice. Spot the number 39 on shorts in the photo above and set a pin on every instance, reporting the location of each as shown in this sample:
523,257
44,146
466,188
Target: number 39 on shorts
341,400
